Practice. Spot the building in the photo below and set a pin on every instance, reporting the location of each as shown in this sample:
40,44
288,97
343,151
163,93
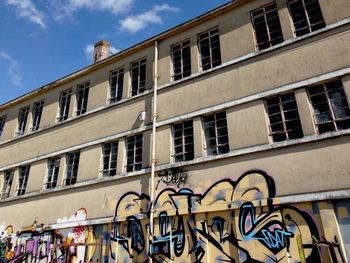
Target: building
251,160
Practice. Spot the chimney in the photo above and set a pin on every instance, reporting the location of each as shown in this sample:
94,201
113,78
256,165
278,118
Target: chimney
101,50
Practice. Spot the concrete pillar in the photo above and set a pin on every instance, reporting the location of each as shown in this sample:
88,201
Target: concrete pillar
346,85
62,171
198,137
121,156
285,19
195,56
14,183
164,145
247,125
146,149
305,112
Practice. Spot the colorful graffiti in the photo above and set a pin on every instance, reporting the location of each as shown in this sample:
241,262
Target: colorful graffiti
70,245
232,221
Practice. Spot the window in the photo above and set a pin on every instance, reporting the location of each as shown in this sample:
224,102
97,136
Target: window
183,141
2,124
37,112
64,104
6,187
110,156
82,98
330,107
116,84
306,15
52,174
138,77
22,120
134,153
216,135
267,26
284,118
209,48
23,179
181,56
72,168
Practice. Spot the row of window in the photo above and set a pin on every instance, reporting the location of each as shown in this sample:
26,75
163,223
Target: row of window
331,112
306,15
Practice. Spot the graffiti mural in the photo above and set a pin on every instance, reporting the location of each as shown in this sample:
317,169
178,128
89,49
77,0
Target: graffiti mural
232,221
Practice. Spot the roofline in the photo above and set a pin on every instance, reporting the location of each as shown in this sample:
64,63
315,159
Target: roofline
146,43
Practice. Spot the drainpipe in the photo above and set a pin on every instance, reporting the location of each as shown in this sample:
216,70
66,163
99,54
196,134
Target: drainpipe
153,158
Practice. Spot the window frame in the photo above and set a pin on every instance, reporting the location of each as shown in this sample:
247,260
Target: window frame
7,183
138,89
184,154
72,168
23,177
334,119
63,111
284,119
218,148
2,124
267,26
307,19
37,112
22,120
53,169
182,74
200,48
110,171
82,98
119,87
135,165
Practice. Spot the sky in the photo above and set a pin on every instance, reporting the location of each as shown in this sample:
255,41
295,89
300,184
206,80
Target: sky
44,40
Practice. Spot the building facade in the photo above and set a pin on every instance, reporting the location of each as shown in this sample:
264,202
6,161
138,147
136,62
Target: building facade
250,103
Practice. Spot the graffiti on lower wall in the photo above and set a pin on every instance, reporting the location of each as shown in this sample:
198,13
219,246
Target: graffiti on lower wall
231,221
195,227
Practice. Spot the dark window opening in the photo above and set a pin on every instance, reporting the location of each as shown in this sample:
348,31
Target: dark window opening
116,84
181,56
183,141
37,112
209,48
330,106
306,15
216,134
64,104
22,120
284,118
267,26
110,156
134,153
2,124
6,187
138,77
82,98
23,179
53,169
72,168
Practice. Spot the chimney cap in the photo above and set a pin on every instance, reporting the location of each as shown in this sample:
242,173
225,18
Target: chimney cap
102,43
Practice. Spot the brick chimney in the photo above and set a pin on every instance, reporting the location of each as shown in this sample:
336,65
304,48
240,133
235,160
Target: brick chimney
101,50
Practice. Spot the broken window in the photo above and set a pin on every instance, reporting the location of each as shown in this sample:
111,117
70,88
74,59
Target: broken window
330,106
82,98
64,104
134,153
52,174
181,56
72,168
116,84
6,187
22,120
267,26
284,120
110,156
138,77
2,124
37,112
23,179
183,141
209,48
216,135
306,15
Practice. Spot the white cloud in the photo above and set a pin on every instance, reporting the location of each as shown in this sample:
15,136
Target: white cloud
13,69
136,23
26,9
62,9
89,51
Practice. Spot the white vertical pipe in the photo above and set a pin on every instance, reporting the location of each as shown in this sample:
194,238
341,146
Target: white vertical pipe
153,155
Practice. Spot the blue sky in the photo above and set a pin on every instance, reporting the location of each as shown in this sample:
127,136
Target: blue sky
43,40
